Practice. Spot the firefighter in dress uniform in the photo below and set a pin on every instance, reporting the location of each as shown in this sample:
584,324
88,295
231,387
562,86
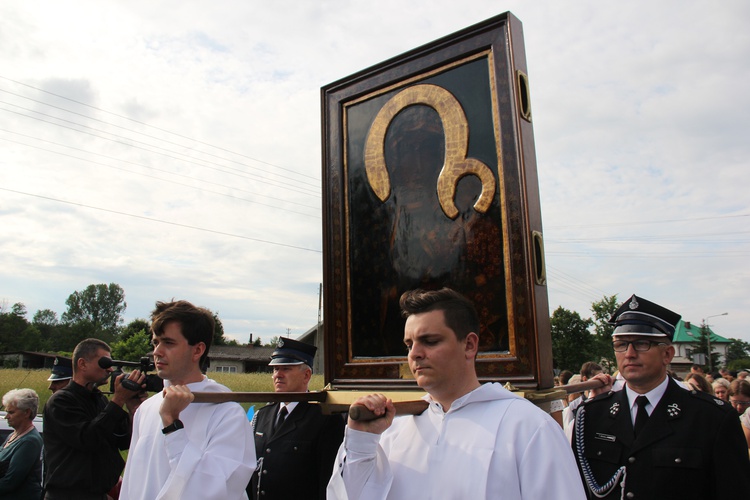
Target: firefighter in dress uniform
654,439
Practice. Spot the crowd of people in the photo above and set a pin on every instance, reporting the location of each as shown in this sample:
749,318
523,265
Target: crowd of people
642,433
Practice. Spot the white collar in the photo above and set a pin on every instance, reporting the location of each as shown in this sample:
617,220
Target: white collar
289,407
654,395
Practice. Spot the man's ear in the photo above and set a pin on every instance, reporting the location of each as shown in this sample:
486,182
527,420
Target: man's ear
198,350
669,353
472,345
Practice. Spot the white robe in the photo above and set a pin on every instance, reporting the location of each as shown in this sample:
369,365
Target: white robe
490,444
213,457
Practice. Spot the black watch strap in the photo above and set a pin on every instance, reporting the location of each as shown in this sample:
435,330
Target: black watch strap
174,426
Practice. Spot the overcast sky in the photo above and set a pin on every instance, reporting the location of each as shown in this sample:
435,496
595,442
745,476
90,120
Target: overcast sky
173,147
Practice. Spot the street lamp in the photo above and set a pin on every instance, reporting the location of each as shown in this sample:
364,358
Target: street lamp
708,337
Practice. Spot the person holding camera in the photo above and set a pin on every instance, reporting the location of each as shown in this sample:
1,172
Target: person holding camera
181,450
84,432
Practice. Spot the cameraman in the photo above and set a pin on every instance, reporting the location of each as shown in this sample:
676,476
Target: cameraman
84,432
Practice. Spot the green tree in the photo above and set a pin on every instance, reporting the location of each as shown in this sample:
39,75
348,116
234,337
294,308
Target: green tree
100,305
702,345
603,310
13,326
133,348
273,342
68,335
219,338
738,349
46,322
136,326
739,364
572,343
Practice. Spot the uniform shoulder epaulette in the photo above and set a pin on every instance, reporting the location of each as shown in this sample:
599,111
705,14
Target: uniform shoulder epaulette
711,400
601,397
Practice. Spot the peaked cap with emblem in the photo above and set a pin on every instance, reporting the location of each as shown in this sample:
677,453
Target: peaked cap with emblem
638,316
292,352
61,370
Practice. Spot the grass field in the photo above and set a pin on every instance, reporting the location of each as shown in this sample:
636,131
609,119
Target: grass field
237,382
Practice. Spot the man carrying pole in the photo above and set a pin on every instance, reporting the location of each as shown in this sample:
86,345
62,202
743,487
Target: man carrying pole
179,450
474,441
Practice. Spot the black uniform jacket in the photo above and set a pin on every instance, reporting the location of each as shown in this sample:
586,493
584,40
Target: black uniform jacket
297,460
692,447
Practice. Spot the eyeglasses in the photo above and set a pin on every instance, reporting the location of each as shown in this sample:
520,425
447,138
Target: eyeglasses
739,403
638,345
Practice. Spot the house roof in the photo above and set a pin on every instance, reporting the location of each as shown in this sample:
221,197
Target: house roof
241,353
688,332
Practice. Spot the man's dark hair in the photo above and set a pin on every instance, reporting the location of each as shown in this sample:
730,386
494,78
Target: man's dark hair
460,313
86,349
589,369
565,376
197,323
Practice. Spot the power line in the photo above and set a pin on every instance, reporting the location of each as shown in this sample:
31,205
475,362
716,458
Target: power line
158,170
239,173
665,221
151,126
160,221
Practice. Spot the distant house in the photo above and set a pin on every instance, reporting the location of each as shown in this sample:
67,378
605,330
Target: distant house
239,359
686,336
28,359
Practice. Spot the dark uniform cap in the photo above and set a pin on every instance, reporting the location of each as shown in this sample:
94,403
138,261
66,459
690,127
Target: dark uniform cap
62,369
292,352
637,316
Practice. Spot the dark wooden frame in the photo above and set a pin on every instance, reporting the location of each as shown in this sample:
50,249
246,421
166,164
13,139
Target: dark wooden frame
527,361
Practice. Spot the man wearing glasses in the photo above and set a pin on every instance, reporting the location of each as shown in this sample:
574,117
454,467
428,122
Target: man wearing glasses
654,439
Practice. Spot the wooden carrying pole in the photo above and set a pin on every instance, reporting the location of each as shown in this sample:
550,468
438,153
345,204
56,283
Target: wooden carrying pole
406,403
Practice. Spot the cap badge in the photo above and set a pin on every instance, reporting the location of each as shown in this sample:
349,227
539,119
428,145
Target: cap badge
718,401
280,343
673,410
56,362
614,409
633,304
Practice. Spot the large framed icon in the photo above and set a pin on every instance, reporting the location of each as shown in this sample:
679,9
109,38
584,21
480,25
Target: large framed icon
429,180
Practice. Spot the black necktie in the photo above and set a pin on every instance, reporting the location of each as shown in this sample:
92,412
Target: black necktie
642,416
280,419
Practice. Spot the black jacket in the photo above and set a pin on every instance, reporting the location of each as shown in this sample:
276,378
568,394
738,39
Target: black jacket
83,436
297,460
691,448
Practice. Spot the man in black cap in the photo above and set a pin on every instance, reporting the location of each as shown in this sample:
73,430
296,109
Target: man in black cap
654,439
62,372
295,443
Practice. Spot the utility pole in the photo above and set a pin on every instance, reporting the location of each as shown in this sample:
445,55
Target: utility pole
708,338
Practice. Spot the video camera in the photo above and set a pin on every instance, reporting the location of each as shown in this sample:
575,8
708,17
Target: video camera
153,382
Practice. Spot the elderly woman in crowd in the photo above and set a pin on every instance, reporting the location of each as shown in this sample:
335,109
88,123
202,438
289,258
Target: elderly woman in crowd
21,454
721,389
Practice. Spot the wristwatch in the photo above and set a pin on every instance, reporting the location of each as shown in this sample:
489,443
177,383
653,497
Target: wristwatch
174,426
